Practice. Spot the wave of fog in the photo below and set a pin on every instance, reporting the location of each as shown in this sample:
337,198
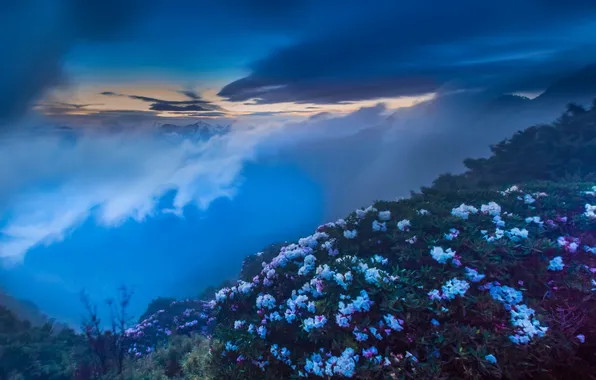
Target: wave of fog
51,185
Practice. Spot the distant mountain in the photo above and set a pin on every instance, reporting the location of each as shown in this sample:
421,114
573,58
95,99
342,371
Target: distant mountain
196,131
25,310
580,87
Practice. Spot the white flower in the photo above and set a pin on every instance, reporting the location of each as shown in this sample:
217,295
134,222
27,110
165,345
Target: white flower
314,323
222,295
245,287
262,331
324,272
342,320
455,287
384,216
373,276
423,212
440,255
498,221
312,240
512,189
556,264
361,213
528,199
379,259
590,211
403,224
393,323
464,211
343,280
526,327
515,234
453,233
266,301
308,266
534,219
350,234
473,275
491,358
491,208
592,192
239,324
505,294
434,294
340,223
376,226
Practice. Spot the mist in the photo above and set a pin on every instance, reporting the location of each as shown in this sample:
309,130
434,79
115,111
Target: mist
169,216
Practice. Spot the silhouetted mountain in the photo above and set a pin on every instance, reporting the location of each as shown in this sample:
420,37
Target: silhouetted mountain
25,310
579,87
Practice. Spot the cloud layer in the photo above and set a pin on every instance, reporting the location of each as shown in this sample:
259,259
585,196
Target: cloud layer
390,49
36,36
194,106
52,185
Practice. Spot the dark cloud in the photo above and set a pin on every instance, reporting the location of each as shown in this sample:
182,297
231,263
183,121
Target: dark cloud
35,36
190,94
58,108
195,104
389,49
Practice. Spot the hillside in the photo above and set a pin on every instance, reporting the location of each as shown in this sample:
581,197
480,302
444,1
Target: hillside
473,280
490,274
23,309
477,284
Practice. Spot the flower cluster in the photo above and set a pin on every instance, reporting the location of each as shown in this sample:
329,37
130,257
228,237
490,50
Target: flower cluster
463,211
364,294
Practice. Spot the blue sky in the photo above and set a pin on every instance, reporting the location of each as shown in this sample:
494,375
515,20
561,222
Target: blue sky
295,77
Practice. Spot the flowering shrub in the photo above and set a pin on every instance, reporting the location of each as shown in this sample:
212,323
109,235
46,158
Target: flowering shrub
481,284
181,317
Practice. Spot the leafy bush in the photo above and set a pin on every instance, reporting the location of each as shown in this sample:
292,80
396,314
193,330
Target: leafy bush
36,352
183,357
503,288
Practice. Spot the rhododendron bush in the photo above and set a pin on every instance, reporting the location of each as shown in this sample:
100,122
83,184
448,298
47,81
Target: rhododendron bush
475,284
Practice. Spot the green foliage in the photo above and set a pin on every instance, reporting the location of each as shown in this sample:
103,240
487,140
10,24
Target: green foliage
40,352
185,357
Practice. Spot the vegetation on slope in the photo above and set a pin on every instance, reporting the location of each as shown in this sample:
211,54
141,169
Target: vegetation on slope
476,284
36,352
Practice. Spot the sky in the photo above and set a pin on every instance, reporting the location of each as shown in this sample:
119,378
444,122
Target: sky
306,85
239,57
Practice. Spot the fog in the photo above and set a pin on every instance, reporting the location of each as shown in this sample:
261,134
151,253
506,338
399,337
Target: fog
170,215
